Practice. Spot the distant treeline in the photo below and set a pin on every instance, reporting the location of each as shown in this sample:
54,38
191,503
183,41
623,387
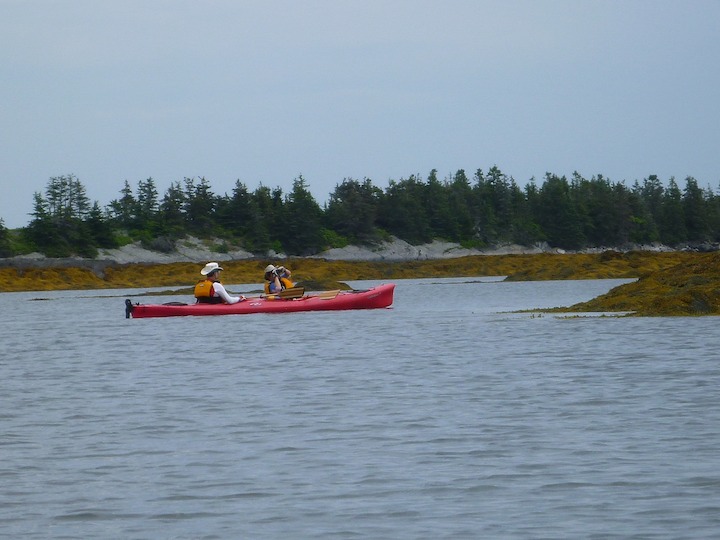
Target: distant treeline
485,210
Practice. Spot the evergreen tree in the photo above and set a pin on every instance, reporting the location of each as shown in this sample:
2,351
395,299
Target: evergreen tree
603,209
199,206
302,232
643,228
123,211
485,220
672,220
276,224
695,211
441,222
234,214
58,228
5,247
593,213
171,214
402,211
100,228
713,214
524,230
558,214
653,195
42,232
460,208
262,216
66,199
500,199
622,216
147,206
352,210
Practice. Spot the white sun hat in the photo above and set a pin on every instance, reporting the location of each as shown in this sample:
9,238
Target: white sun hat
210,268
269,268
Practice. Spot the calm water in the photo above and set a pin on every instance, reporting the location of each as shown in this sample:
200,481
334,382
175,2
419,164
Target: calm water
444,417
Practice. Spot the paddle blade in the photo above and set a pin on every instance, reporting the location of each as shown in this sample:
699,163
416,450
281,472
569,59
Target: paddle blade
294,292
328,295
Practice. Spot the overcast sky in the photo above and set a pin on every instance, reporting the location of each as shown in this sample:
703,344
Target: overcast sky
262,92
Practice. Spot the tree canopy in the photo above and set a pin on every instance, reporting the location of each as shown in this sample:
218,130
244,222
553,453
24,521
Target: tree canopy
485,210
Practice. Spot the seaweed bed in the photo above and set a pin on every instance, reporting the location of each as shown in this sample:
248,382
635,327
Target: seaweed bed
668,284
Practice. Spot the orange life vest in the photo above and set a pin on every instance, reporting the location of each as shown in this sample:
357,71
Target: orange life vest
204,292
285,283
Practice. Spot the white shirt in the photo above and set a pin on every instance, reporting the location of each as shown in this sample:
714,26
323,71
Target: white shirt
219,290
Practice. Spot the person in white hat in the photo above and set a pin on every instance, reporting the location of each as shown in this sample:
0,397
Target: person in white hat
277,278
210,291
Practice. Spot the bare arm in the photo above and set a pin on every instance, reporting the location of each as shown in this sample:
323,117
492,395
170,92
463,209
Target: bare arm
275,285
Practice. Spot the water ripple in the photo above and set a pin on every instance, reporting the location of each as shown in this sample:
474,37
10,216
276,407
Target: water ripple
439,418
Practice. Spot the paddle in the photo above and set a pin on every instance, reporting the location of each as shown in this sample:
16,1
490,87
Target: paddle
293,292
286,294
298,292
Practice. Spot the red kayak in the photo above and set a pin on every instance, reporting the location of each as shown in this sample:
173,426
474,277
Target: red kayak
375,298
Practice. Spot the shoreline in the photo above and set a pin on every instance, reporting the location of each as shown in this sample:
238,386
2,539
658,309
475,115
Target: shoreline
668,283
191,249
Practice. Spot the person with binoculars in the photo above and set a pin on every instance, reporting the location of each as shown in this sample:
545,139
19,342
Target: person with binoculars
277,278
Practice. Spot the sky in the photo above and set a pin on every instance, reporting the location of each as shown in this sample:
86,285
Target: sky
264,92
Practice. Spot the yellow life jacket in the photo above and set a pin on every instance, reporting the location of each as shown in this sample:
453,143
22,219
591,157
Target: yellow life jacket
285,283
204,292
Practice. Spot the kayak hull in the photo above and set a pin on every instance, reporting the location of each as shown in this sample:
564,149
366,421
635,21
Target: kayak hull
375,298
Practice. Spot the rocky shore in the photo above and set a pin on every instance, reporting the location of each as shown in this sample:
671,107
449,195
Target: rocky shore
668,282
191,249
